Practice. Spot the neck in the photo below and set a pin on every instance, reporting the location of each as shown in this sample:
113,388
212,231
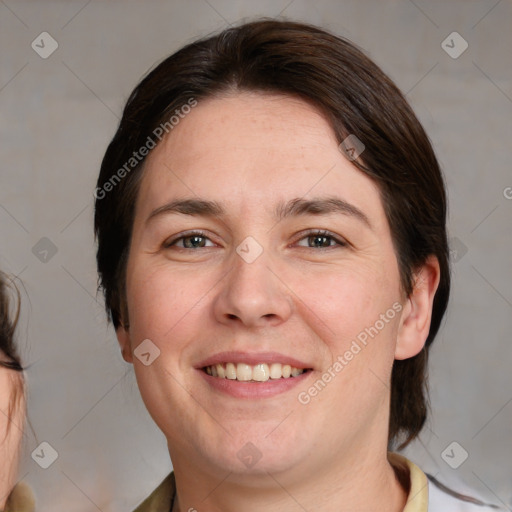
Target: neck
367,482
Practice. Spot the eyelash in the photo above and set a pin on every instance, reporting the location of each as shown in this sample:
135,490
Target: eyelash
308,234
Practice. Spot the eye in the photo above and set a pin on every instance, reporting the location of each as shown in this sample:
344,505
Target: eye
191,240
313,239
321,239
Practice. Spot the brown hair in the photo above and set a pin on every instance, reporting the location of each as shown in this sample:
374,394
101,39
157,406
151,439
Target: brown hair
356,97
8,353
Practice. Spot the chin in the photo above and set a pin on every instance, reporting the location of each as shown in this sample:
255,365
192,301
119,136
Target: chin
251,452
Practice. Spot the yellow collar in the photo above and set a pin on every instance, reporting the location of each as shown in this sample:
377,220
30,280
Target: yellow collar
21,499
417,501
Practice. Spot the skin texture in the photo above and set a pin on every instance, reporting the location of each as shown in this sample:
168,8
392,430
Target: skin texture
9,439
250,151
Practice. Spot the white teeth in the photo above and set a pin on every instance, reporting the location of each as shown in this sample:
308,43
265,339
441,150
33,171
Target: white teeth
230,371
275,371
243,372
259,373
220,371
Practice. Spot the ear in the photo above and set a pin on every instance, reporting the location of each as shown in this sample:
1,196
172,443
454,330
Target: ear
123,337
417,313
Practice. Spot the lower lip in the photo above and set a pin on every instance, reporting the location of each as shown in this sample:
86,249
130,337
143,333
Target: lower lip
240,389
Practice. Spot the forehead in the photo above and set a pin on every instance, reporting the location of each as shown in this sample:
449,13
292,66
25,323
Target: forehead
253,149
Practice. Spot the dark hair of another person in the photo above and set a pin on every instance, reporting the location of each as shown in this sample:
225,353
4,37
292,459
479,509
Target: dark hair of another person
329,72
8,353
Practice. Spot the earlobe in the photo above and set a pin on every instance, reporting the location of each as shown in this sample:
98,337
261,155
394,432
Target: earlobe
123,337
417,313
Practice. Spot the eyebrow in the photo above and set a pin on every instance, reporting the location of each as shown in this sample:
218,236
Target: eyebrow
292,208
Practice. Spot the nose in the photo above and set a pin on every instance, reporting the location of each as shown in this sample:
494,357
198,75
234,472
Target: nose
253,294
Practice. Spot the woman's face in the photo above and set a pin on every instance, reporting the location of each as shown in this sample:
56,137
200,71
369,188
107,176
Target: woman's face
239,275
11,429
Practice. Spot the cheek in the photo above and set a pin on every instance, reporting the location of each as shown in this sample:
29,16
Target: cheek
345,309
164,306
354,314
159,296
348,300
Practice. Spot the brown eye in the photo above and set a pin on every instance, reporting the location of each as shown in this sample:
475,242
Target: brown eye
319,241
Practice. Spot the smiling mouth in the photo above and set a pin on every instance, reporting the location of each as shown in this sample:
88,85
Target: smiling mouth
253,373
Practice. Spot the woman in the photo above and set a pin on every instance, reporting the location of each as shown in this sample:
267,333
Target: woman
12,410
271,226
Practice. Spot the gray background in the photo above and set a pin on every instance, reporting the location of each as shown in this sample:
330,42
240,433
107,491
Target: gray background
59,113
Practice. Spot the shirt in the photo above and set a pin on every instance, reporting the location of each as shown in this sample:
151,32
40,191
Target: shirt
21,499
425,495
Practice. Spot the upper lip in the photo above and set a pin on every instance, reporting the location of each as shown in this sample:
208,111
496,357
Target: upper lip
252,358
